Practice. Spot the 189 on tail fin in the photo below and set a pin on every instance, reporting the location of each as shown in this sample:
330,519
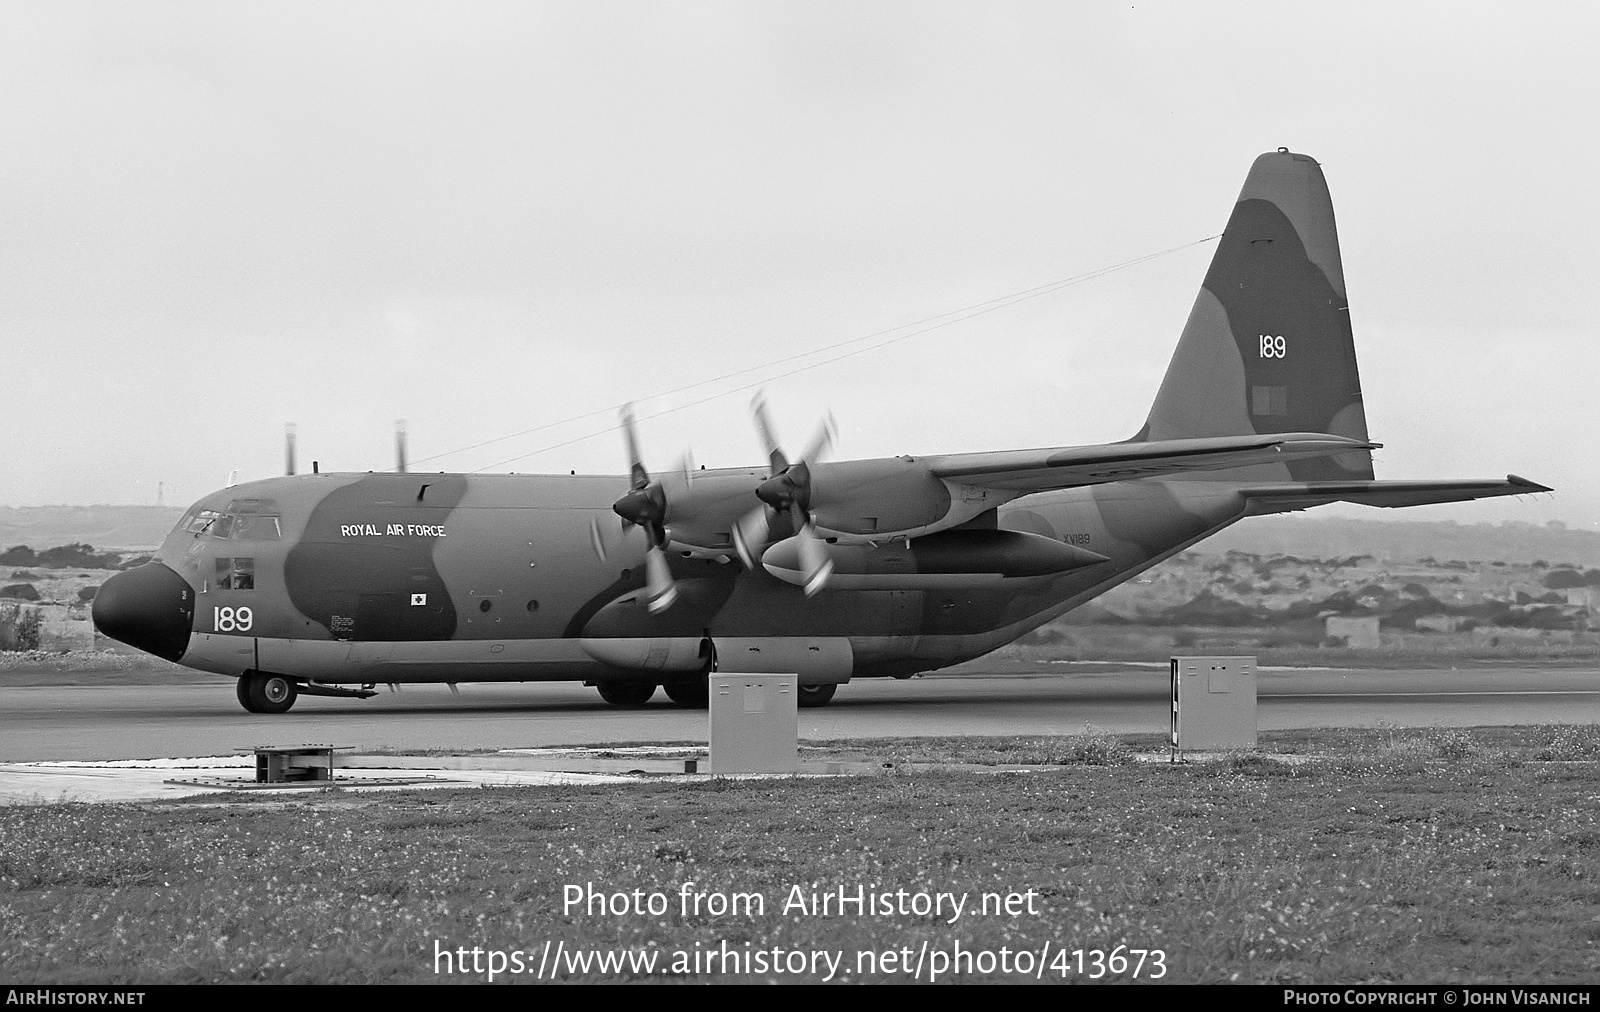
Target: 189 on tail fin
1268,346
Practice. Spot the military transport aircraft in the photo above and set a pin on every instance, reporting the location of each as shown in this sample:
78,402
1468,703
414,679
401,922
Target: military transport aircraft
329,584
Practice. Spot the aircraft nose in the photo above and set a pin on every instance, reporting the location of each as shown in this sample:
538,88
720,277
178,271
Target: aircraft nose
149,607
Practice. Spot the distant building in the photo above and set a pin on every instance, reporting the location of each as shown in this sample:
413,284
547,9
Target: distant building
65,628
1359,631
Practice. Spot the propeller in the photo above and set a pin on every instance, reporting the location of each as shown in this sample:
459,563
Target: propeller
400,446
787,492
750,535
597,539
645,506
288,448
769,437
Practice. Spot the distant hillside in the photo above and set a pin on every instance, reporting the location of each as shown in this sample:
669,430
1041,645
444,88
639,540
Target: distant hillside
41,527
1314,537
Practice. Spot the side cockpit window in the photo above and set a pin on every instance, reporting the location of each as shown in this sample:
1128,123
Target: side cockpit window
236,574
188,519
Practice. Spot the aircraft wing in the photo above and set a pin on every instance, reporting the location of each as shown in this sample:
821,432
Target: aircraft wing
1066,467
1299,495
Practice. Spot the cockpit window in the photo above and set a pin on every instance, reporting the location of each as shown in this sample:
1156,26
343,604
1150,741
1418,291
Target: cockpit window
199,522
227,526
256,529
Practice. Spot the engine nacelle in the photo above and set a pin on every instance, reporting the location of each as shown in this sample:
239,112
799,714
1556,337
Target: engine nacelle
867,497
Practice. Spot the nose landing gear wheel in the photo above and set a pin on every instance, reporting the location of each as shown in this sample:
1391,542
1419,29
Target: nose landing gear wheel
626,693
266,693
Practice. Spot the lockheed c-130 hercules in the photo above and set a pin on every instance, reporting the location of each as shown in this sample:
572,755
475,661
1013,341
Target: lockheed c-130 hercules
329,584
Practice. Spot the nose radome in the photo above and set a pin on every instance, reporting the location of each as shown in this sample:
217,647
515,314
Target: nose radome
149,607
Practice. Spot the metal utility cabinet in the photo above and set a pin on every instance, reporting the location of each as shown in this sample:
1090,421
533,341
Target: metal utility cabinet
755,723
1213,703
287,764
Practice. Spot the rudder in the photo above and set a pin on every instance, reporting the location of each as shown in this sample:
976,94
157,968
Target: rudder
1268,345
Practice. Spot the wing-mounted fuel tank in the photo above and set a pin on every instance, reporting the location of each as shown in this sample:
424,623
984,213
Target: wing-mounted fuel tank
948,559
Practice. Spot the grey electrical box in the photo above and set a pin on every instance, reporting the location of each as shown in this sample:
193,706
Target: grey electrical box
1213,703
755,723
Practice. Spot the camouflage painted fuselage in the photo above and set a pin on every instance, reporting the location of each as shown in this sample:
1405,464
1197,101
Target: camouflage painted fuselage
371,578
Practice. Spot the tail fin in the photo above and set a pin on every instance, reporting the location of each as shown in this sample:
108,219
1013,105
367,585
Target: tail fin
1268,346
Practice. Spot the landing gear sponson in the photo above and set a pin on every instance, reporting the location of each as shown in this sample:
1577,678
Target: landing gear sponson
693,692
264,692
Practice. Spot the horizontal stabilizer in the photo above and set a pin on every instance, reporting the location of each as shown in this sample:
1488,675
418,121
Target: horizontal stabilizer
1299,495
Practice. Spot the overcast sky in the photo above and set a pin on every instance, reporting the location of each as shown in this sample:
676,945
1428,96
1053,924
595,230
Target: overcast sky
216,218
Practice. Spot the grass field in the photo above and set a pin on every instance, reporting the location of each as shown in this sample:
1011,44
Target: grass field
1341,856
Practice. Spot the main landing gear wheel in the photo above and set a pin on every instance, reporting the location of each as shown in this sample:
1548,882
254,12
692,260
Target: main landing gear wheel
626,693
266,693
815,695
691,693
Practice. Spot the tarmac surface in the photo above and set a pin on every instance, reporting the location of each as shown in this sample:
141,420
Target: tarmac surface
87,723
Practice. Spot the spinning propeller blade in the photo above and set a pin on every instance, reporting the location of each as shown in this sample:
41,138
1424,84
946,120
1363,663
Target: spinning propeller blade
750,535
769,438
636,471
645,504
814,557
660,590
822,442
